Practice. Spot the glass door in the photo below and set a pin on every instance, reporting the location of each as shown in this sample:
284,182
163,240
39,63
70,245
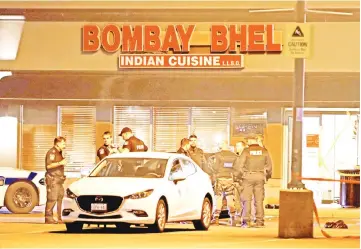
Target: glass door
310,152
329,144
339,150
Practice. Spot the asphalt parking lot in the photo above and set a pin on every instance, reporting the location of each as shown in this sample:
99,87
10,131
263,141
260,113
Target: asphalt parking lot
29,231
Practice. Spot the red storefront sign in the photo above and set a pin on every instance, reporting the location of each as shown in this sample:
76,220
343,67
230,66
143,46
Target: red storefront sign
135,39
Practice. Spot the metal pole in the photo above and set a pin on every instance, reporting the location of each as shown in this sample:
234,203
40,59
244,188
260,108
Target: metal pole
298,104
21,136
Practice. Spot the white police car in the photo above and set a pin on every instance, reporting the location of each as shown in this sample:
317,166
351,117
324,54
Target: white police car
21,190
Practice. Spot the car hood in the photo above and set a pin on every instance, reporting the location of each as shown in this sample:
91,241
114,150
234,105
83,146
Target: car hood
120,186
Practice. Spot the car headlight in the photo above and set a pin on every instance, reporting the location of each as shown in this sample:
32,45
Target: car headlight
70,194
2,181
140,195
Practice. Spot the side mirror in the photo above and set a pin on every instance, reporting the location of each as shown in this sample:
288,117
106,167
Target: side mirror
85,172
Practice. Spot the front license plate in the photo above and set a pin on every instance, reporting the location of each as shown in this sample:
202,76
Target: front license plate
99,207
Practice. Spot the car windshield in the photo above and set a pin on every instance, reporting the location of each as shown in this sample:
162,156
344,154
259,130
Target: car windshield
131,167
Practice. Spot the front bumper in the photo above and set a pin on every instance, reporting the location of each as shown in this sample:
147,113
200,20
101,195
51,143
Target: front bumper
124,214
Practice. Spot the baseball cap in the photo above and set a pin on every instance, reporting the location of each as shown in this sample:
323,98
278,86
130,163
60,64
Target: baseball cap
125,130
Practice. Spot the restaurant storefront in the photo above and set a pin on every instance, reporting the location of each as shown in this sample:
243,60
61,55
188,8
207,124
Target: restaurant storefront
55,88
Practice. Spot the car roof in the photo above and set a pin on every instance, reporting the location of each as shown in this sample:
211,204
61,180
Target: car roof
159,155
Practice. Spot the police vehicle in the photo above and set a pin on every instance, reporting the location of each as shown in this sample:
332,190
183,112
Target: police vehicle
21,190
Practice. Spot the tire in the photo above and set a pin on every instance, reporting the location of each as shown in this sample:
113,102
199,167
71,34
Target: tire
160,217
21,198
74,227
205,221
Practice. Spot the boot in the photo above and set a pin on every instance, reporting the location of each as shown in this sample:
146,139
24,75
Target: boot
245,225
259,224
60,221
233,222
50,221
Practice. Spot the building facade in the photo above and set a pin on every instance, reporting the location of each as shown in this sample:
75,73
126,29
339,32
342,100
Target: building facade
55,89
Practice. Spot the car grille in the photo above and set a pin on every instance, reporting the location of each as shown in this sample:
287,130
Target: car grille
113,202
84,216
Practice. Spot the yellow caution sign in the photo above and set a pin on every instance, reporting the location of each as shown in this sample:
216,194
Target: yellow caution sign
298,42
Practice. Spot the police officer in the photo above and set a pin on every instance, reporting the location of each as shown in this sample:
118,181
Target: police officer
197,154
225,167
131,144
239,188
184,147
107,148
238,185
256,169
55,178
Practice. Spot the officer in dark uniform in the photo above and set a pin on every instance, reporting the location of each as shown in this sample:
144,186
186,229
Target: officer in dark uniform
184,147
131,144
225,168
107,148
197,154
238,185
256,169
55,178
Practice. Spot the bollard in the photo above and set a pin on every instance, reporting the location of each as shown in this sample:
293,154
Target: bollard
296,214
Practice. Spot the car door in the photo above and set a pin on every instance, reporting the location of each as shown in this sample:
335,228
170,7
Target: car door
192,196
176,192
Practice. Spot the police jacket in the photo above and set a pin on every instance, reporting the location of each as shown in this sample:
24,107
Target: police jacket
225,164
134,144
256,159
199,158
103,151
183,151
54,156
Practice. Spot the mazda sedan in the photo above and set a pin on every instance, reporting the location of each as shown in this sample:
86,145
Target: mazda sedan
149,188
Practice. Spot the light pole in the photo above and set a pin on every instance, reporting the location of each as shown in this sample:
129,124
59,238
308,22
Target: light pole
298,92
296,206
297,112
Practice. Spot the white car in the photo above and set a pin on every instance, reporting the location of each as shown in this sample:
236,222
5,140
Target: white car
21,190
149,188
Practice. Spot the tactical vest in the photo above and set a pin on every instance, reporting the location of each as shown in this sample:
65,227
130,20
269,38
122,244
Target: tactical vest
225,163
256,158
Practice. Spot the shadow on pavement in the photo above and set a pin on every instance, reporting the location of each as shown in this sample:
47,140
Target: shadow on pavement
7,212
136,230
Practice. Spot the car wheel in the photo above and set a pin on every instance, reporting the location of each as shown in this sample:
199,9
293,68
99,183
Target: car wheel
206,215
122,226
21,198
160,217
74,227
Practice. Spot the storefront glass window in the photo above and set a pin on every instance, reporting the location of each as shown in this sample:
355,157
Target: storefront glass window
329,144
211,125
78,125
